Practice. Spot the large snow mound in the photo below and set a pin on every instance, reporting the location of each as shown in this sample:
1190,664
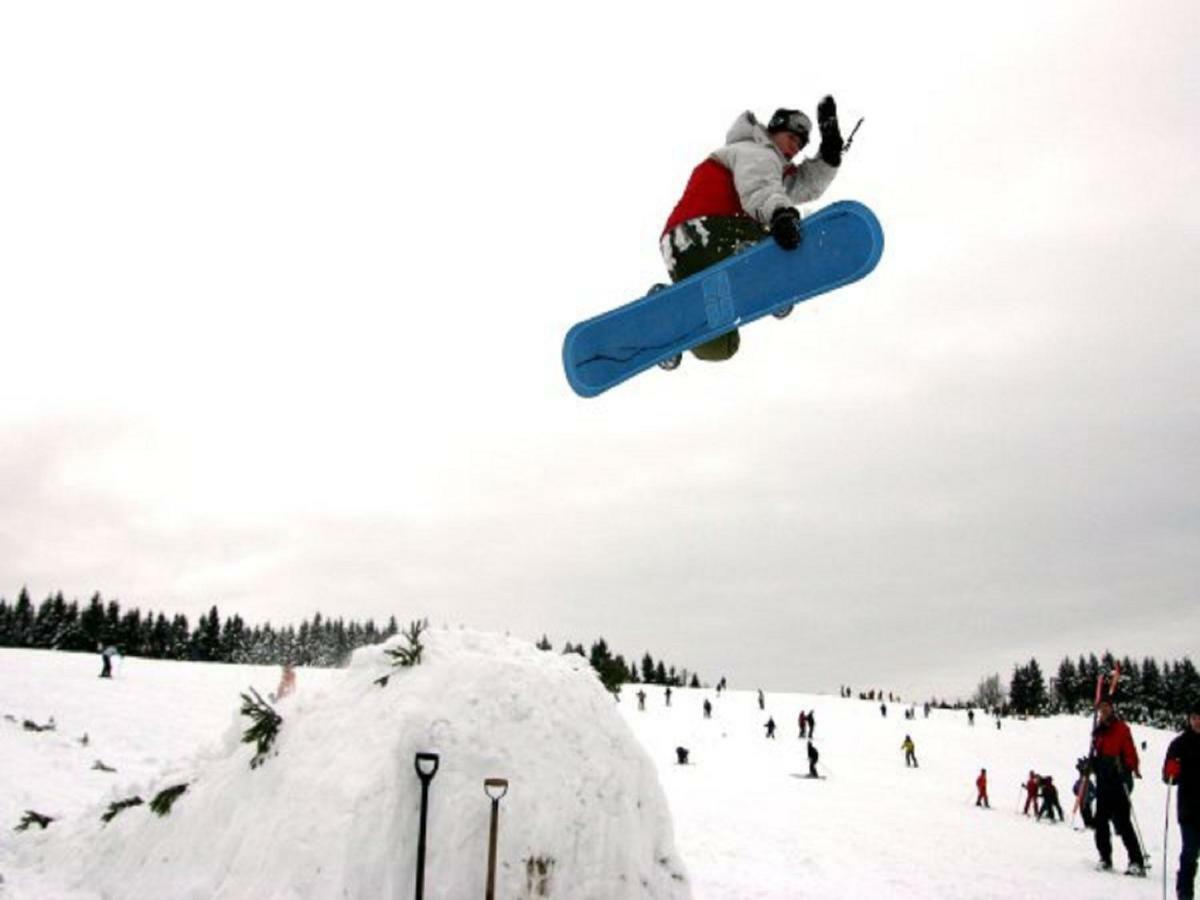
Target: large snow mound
334,811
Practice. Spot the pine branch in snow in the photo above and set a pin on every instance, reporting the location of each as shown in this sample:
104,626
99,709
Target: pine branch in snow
410,655
165,799
264,729
33,818
118,806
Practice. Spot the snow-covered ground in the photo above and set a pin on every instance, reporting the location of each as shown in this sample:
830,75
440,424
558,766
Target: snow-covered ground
745,825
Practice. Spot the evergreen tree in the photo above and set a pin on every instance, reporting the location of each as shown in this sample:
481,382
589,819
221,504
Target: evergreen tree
21,622
1066,686
91,623
648,672
1038,701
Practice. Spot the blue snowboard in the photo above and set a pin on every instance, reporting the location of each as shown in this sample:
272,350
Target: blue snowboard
842,243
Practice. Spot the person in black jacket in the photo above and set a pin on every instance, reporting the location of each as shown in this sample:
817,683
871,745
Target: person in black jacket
1182,768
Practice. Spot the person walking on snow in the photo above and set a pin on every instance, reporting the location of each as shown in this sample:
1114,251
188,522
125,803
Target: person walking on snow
1114,761
641,695
770,726
813,756
812,724
981,798
802,722
746,191
1181,767
1050,803
762,703
1031,793
106,655
910,752
707,709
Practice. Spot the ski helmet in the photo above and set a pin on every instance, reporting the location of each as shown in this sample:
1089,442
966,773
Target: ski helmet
790,120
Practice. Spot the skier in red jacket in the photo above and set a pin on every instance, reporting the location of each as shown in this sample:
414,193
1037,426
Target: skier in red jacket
745,191
981,787
1031,792
1114,761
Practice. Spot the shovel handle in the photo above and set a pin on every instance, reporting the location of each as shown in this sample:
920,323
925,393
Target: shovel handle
494,784
431,758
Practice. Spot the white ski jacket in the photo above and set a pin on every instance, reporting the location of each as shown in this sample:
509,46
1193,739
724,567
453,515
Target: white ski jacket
764,178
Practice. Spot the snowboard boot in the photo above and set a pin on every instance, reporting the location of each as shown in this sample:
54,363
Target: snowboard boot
671,362
1136,869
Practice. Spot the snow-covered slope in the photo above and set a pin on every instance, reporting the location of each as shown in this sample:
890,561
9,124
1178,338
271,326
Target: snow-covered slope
334,811
744,824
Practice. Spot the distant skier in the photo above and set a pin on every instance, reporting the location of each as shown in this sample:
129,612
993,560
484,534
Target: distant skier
883,710
762,701
287,682
641,695
971,717
770,726
707,709
1050,804
981,795
927,709
1114,762
802,723
106,655
813,756
910,752
812,724
667,694
744,192
681,755
1181,767
1031,792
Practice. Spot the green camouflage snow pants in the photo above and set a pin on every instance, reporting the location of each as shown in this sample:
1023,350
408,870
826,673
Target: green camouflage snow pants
699,243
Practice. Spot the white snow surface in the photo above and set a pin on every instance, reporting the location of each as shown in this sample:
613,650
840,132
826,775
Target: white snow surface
334,813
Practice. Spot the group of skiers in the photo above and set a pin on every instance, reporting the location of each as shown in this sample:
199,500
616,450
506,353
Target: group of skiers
1041,795
1103,790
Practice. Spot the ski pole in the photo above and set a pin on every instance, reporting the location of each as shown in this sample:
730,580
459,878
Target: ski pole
490,785
850,140
426,777
1166,834
1137,831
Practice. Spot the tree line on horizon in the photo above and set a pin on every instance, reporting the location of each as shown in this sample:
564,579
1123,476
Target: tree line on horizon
56,624
1148,692
614,671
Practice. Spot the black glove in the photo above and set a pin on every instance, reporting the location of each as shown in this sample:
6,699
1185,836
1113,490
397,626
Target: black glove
785,227
831,134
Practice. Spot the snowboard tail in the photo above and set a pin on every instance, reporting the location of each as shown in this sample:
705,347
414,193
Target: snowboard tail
842,243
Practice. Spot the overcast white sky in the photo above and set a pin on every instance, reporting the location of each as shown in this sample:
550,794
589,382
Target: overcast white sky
283,288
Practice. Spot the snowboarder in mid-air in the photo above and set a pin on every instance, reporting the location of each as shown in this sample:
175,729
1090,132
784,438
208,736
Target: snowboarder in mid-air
746,191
